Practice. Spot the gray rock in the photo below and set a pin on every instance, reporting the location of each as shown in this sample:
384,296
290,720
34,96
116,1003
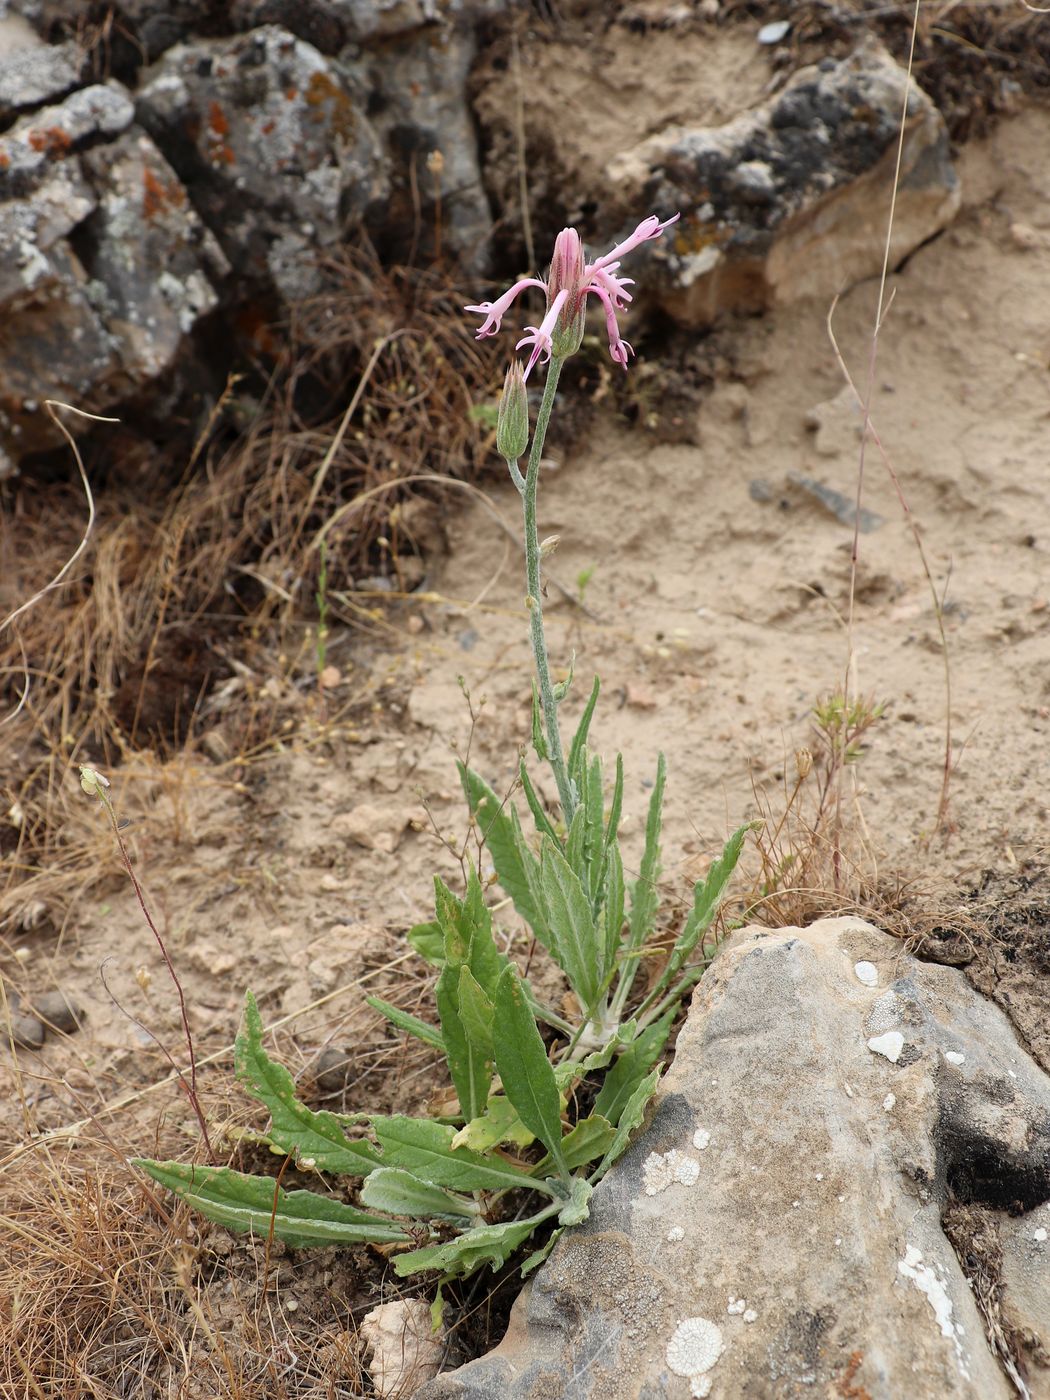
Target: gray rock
776,1229
270,135
429,131
1025,1280
36,143
791,199
31,72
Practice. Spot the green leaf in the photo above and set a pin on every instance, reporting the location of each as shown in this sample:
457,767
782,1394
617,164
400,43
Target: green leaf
613,910
469,1068
429,943
485,1244
528,1079
499,1123
405,1021
516,866
539,742
589,1140
295,1129
594,835
536,1258
300,1218
707,897
579,1206
475,1012
561,688
544,826
424,1147
398,1192
631,1068
576,949
579,741
644,898
612,825
630,1118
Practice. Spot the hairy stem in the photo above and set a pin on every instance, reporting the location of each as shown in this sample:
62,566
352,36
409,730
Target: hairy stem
555,754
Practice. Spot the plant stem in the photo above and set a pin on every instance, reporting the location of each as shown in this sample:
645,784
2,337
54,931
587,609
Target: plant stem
556,754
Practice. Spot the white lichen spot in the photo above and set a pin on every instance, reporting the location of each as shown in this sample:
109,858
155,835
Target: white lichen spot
701,1139
674,1234
693,1350
1039,1235
838,1241
890,1045
841,1199
1012,1073
932,1288
795,1205
750,1315
849,1090
736,1306
867,973
889,1101
953,1057
819,1176
659,1171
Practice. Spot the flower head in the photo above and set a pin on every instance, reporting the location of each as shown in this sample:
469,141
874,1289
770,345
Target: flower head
570,280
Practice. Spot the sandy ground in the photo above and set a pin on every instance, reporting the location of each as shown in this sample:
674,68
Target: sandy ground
715,619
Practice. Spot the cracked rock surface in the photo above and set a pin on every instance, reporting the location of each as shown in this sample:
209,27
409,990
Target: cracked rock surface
802,1252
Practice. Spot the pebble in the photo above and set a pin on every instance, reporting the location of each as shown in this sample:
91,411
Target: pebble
331,1072
58,1011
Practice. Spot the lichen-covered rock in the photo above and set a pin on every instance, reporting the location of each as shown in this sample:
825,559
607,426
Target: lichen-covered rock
108,268
269,134
32,72
792,198
776,1229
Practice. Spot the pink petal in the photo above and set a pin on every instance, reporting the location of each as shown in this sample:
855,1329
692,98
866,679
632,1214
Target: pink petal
539,337
648,228
615,286
494,311
619,348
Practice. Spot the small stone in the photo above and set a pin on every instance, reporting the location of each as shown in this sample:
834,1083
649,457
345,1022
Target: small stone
405,1352
58,1011
331,1072
890,1045
26,1031
889,1101
953,1057
1039,1235
639,697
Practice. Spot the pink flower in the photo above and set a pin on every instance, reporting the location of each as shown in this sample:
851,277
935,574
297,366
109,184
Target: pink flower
570,280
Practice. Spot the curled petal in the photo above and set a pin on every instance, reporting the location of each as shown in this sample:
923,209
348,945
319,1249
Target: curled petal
648,228
494,311
619,348
615,286
539,337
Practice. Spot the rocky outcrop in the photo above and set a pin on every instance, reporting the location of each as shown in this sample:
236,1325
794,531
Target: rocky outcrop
792,199
777,1228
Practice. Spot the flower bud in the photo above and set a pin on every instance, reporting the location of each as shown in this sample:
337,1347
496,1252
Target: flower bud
803,763
567,273
512,424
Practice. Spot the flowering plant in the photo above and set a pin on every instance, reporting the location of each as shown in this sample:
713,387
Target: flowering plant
439,1190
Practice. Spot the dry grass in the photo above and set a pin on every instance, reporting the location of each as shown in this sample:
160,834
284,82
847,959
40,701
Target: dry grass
200,575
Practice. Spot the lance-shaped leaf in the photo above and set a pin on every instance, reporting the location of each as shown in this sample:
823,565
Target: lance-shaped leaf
631,1068
536,1258
423,1147
485,1244
240,1202
707,897
405,1021
295,1129
515,864
429,942
528,1079
543,823
499,1123
476,1014
469,1067
576,944
579,740
630,1118
590,1139
398,1192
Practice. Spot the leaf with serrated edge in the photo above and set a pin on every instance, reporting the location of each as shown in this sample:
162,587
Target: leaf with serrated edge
506,845
405,1021
398,1192
424,1148
631,1068
630,1118
499,1123
240,1202
295,1129
486,1244
528,1079
572,923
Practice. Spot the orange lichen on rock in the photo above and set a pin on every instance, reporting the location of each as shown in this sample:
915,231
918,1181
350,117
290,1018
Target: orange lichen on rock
54,141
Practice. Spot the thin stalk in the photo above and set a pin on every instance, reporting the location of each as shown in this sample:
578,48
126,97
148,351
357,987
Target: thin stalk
555,752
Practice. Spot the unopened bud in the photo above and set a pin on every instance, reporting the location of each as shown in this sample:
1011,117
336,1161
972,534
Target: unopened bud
803,762
549,545
512,424
567,274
